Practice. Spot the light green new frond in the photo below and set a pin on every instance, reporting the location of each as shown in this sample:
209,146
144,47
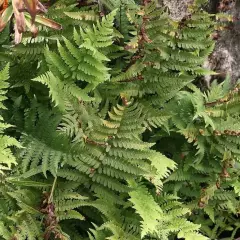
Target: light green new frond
146,207
7,159
163,165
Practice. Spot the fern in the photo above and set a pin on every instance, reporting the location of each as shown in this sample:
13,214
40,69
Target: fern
84,63
7,158
109,136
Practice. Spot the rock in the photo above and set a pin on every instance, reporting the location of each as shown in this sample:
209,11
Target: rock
226,57
177,8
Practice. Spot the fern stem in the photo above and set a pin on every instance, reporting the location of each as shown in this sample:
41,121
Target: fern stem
50,199
100,8
234,232
95,143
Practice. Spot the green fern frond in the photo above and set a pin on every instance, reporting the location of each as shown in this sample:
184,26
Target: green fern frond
83,15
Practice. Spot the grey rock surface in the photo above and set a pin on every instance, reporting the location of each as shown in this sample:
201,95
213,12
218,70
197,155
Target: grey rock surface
226,57
177,8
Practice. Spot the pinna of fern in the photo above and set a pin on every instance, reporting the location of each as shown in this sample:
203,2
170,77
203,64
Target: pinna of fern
7,158
209,162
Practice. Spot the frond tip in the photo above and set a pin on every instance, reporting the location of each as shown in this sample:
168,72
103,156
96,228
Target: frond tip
7,159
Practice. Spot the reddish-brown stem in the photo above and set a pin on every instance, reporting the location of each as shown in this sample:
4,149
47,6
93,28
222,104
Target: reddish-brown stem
89,141
223,100
124,101
142,38
138,78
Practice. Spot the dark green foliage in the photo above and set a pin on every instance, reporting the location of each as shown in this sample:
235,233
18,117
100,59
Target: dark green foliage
109,138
